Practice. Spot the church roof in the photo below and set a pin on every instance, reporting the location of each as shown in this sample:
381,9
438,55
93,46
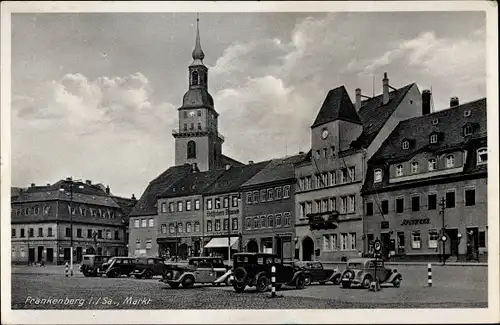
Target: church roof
197,98
337,106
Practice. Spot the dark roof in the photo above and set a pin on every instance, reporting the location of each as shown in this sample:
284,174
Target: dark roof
147,203
226,160
374,114
234,178
126,204
276,170
193,183
417,131
337,106
197,98
15,192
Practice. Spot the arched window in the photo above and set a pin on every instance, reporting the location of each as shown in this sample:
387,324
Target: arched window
188,227
196,226
432,164
191,149
414,167
378,175
195,78
399,170
450,161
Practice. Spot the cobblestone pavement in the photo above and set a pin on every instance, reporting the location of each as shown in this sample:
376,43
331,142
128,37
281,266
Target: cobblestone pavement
453,287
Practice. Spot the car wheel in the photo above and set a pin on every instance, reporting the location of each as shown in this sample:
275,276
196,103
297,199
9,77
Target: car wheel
367,281
262,284
149,274
397,282
86,274
239,287
336,280
111,274
300,282
188,282
346,284
308,280
240,274
174,285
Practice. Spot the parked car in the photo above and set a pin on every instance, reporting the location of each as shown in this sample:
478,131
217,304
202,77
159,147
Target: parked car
147,267
91,264
197,270
316,272
361,272
254,270
117,266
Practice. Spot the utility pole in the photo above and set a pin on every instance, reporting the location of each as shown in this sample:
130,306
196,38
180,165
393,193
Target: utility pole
176,241
228,230
443,237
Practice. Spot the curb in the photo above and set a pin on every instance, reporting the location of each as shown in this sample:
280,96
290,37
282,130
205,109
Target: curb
479,264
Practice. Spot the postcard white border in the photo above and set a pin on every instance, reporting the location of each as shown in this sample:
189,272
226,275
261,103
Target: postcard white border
375,316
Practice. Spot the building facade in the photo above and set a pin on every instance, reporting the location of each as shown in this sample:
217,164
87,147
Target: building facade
426,190
47,219
344,136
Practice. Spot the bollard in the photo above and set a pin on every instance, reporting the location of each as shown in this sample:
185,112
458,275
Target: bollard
273,281
66,269
429,275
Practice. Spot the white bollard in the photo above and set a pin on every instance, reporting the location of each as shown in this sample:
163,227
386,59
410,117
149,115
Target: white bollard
71,262
66,269
429,275
273,281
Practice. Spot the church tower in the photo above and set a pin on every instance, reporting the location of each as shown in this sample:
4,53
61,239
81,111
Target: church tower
197,139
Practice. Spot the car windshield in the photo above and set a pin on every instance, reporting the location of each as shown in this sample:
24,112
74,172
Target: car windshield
355,265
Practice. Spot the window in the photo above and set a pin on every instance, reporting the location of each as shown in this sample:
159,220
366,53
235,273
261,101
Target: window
171,207
482,239
148,244
99,234
333,204
270,221
415,203
369,208
308,208
467,113
325,179
308,182
318,154
171,228
108,234
317,205
334,241
287,219
164,207
352,240
151,223
209,225
234,201
180,206
277,190
263,195
188,227
209,204
434,138
352,203
225,202
188,205
482,156
185,126
406,145
143,223
286,191
136,223
377,175
180,228
450,199
40,232
49,232
325,152
415,239
326,242
332,150
199,112
255,223
26,211
217,225
450,161
468,130
248,223
217,203
385,206
270,194
343,241
343,176
13,232
235,223
414,167
431,201
433,238
470,197
89,232
197,204
401,241
22,233
192,128
78,232
343,204
432,164
352,174
249,198
197,226
435,121
263,221
278,220
46,210
302,212
68,232
399,170
191,148
400,205
333,178
163,228
199,126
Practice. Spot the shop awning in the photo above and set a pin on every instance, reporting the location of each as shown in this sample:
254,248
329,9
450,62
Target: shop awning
221,242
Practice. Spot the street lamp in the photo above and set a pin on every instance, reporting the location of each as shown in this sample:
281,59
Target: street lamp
459,236
71,184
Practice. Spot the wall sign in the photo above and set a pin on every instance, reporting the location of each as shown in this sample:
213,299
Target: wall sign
220,213
407,222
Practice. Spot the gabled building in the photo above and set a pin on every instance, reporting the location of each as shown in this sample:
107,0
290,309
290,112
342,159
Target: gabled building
344,136
429,180
268,209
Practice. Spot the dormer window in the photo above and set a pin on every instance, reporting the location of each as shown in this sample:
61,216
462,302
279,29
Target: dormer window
377,175
194,78
432,164
414,167
468,130
406,145
434,138
450,161
399,170
482,156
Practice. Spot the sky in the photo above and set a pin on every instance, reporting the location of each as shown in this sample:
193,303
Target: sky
95,95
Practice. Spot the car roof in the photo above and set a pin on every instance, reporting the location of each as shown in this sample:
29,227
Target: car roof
205,258
255,254
361,260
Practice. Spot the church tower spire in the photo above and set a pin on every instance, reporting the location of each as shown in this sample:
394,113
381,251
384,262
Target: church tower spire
198,54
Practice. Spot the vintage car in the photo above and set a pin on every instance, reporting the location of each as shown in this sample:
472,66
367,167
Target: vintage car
362,271
254,270
147,267
92,263
316,272
117,266
197,270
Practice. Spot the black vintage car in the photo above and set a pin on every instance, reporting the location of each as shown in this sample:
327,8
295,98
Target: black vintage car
91,264
254,270
202,270
117,266
147,267
316,272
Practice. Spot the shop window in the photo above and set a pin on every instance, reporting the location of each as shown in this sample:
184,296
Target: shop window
450,199
400,205
433,238
432,201
385,206
415,239
415,203
369,208
470,197
482,239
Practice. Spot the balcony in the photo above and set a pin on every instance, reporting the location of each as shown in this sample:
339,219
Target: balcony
195,132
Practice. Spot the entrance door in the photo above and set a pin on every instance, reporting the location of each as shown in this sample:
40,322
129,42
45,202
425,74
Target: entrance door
79,254
453,238
50,255
31,255
67,254
385,238
307,249
472,244
252,247
40,253
183,250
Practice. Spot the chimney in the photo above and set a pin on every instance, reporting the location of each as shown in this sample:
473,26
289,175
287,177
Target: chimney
358,99
454,101
108,191
88,182
385,89
133,197
32,184
426,102
194,167
69,179
250,162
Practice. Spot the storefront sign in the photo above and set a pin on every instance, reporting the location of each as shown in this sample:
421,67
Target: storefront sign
407,222
220,213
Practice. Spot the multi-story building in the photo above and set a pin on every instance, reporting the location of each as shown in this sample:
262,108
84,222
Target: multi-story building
428,182
269,209
47,219
343,137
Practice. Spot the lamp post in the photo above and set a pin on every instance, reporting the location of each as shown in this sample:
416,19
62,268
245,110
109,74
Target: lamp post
459,236
443,238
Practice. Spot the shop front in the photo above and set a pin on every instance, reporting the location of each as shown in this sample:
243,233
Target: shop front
219,246
181,247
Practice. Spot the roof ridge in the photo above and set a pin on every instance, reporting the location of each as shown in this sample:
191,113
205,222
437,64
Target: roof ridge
443,110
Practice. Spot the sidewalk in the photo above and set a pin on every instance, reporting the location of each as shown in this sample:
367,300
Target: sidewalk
47,269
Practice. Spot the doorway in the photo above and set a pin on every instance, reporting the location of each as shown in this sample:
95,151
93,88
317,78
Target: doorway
79,254
252,246
31,255
67,254
307,249
385,238
453,237
183,251
472,244
50,255
40,253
